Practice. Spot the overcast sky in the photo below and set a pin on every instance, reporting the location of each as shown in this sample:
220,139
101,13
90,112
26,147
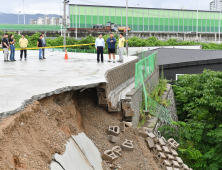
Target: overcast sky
53,6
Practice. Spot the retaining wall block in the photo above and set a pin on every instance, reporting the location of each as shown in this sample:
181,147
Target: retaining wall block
166,150
127,145
126,105
117,150
150,143
103,101
128,113
169,157
173,152
157,149
184,167
109,155
160,157
122,126
179,160
172,141
151,135
113,139
161,142
175,164
114,130
165,164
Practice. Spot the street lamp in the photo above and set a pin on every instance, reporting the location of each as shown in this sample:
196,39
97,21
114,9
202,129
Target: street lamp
24,10
18,16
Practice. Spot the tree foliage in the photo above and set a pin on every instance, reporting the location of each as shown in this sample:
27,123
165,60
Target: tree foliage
199,131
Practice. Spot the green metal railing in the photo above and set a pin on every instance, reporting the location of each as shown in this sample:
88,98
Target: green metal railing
145,67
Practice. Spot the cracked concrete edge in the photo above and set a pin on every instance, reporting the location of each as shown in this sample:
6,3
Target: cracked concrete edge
44,95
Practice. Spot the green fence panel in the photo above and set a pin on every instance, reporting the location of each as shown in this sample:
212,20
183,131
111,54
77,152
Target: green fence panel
146,66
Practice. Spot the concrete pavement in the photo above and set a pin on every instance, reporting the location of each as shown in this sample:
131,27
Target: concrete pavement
22,82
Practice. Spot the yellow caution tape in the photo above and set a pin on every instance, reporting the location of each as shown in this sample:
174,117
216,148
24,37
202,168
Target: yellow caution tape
36,48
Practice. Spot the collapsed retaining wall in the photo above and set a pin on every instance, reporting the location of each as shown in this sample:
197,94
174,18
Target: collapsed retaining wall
117,79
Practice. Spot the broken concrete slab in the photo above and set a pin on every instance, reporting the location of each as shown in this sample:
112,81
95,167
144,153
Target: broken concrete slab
73,158
89,149
109,155
117,150
113,139
114,130
127,145
55,74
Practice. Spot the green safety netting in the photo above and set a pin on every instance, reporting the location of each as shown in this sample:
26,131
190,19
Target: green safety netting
158,110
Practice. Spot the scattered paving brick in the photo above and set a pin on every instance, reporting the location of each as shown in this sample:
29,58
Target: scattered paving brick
150,143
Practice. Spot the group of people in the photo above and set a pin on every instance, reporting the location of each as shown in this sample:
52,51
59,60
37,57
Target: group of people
111,41
9,43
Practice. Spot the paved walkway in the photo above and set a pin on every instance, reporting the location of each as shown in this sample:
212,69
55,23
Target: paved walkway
21,82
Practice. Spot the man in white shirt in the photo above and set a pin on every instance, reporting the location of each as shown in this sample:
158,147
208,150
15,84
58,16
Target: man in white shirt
100,45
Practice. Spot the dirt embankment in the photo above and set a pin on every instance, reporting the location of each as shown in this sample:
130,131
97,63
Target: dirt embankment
31,137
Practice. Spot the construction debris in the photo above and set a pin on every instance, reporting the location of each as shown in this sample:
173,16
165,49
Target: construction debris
127,145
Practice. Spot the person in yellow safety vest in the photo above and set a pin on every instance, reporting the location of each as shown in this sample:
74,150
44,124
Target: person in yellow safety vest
23,42
121,47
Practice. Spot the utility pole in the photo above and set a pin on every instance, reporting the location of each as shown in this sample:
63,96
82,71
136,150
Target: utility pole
64,23
127,28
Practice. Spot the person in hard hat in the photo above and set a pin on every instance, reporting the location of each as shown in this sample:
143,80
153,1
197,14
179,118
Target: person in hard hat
100,45
23,42
121,47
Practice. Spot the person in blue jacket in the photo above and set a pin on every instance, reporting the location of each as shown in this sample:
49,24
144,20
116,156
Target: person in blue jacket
111,47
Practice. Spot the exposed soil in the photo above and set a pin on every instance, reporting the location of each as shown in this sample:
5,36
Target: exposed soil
31,137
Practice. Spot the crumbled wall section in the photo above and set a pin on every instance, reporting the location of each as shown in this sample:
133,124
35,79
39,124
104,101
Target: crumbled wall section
119,75
136,94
